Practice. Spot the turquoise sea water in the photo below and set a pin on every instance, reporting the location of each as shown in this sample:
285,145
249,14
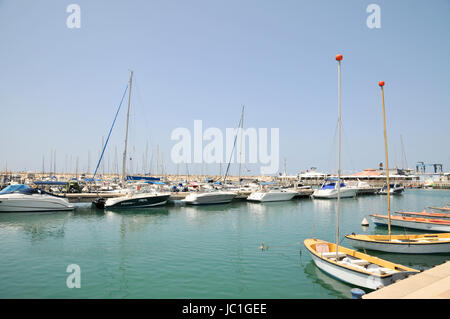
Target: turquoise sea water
190,252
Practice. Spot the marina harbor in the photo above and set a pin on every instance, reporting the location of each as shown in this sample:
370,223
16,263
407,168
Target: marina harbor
225,158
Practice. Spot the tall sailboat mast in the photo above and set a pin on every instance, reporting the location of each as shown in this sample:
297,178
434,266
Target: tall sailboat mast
381,84
124,163
339,58
240,146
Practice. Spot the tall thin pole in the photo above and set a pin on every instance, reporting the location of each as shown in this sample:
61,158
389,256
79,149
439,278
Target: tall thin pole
157,159
89,162
116,161
404,161
76,169
124,163
240,144
381,84
339,59
103,162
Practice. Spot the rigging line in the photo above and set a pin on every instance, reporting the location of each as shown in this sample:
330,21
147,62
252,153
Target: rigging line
141,105
109,134
232,151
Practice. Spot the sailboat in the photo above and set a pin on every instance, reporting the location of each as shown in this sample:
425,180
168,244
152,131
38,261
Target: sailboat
131,199
346,264
216,196
405,244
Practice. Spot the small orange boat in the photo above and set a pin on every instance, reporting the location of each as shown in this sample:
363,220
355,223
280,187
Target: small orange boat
425,214
446,208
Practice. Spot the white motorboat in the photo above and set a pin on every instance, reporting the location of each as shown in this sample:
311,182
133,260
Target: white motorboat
21,198
138,200
271,195
329,190
394,189
363,188
209,197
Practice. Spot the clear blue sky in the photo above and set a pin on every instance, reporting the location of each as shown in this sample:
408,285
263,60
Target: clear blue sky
60,87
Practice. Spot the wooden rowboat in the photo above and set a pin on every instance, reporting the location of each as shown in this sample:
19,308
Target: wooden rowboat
354,267
446,208
403,244
438,225
425,214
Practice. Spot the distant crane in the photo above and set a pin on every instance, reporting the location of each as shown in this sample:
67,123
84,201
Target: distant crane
421,167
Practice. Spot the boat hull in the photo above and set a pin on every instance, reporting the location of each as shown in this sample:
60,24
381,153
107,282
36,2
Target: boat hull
271,196
366,191
353,276
404,222
33,203
137,201
425,215
209,198
395,191
333,193
441,209
399,247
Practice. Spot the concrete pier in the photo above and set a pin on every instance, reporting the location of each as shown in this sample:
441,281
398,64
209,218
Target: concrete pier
433,283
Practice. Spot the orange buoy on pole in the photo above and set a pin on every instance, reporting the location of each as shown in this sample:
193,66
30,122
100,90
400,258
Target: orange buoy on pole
339,58
381,84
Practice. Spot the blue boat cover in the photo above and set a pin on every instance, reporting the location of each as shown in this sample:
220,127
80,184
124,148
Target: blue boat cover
331,186
50,183
139,178
19,188
90,179
158,183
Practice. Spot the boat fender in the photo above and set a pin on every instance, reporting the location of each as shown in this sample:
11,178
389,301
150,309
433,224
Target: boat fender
357,293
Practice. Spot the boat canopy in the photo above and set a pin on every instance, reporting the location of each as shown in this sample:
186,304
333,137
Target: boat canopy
331,186
153,182
53,183
90,179
19,188
139,178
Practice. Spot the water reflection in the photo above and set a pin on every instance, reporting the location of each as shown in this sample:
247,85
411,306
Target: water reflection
38,225
419,262
134,220
336,287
